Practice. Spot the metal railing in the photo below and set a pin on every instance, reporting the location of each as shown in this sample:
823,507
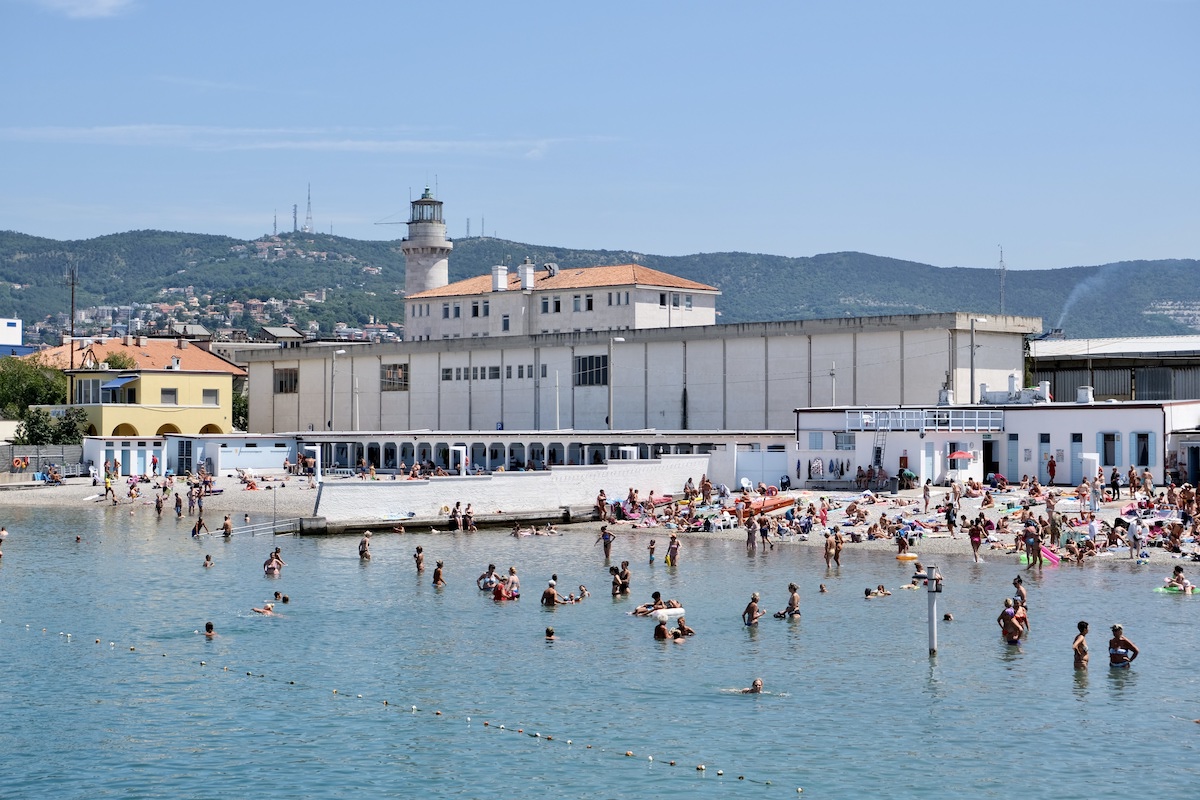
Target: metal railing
925,419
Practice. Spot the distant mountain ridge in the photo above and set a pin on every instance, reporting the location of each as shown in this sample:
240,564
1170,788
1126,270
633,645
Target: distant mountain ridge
365,279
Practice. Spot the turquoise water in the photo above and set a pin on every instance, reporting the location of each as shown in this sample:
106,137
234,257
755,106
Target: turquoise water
855,705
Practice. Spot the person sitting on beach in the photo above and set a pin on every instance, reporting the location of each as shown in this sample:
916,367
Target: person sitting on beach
988,500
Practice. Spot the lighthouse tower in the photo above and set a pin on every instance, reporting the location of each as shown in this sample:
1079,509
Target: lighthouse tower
426,248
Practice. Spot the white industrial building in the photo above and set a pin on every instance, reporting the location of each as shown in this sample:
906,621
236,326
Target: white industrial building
1014,434
747,376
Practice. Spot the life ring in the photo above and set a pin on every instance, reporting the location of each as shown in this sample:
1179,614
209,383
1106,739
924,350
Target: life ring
16,463
906,557
772,491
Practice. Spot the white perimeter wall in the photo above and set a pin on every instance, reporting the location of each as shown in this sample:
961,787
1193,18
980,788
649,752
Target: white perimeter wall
351,500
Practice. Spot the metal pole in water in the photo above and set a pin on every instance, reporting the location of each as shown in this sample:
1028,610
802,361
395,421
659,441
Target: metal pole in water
933,583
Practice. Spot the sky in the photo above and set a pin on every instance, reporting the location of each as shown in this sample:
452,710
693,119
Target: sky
935,132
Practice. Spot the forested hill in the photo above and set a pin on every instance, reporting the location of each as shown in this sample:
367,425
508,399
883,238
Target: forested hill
365,278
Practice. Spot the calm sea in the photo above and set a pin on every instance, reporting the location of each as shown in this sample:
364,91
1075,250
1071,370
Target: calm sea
855,706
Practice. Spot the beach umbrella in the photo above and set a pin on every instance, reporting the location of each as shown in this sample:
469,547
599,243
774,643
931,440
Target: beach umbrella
957,454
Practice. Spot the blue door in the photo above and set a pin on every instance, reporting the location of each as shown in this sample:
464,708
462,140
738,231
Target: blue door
927,469
1012,471
1076,459
1043,457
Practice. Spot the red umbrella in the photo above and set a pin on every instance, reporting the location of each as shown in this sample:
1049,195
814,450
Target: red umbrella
958,454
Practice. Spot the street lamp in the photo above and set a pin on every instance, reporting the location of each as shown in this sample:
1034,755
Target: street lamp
332,378
611,341
973,321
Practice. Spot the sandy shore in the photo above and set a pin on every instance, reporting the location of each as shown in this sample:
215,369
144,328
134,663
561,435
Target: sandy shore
292,498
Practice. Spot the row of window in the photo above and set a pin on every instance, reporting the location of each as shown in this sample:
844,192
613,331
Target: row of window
488,373
674,298
88,392
392,378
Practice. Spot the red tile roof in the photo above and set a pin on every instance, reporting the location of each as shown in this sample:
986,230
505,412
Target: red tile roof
571,278
154,354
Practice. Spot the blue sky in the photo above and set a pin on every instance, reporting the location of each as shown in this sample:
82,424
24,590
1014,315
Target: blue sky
931,131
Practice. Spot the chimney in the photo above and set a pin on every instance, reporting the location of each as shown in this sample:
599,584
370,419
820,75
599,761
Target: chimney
1012,384
525,270
141,341
182,343
499,278
66,339
1085,395
174,362
127,340
1044,390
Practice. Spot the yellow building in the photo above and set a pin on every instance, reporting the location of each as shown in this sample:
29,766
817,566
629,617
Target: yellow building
175,386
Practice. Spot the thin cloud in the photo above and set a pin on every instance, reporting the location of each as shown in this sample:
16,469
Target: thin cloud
208,138
87,9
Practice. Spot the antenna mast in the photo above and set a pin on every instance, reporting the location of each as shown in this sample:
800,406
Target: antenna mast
308,228
1003,270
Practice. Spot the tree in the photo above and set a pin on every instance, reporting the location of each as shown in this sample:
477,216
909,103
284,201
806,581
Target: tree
71,426
120,361
28,382
241,411
36,427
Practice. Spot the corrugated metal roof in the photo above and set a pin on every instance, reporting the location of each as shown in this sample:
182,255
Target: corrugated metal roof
1132,346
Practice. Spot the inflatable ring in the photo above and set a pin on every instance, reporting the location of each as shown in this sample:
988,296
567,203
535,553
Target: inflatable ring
16,463
772,491
906,557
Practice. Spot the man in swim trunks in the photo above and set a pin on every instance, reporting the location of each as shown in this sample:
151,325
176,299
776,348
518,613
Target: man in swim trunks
551,597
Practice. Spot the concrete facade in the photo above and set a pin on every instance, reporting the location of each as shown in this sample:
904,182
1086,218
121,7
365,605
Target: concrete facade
350,501
748,376
1014,440
545,299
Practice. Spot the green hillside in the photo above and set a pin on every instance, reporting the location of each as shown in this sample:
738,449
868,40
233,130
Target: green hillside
133,267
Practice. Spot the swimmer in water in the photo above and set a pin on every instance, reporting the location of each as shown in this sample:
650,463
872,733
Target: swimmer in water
419,558
208,562
209,631
267,610
823,590
793,606
1121,651
550,634
1080,647
754,688
437,575
683,629
753,613
583,592
364,546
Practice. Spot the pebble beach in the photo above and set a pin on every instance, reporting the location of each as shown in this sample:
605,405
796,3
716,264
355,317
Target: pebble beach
292,498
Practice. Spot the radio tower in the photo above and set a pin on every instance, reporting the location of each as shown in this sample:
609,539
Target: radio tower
308,217
1003,270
